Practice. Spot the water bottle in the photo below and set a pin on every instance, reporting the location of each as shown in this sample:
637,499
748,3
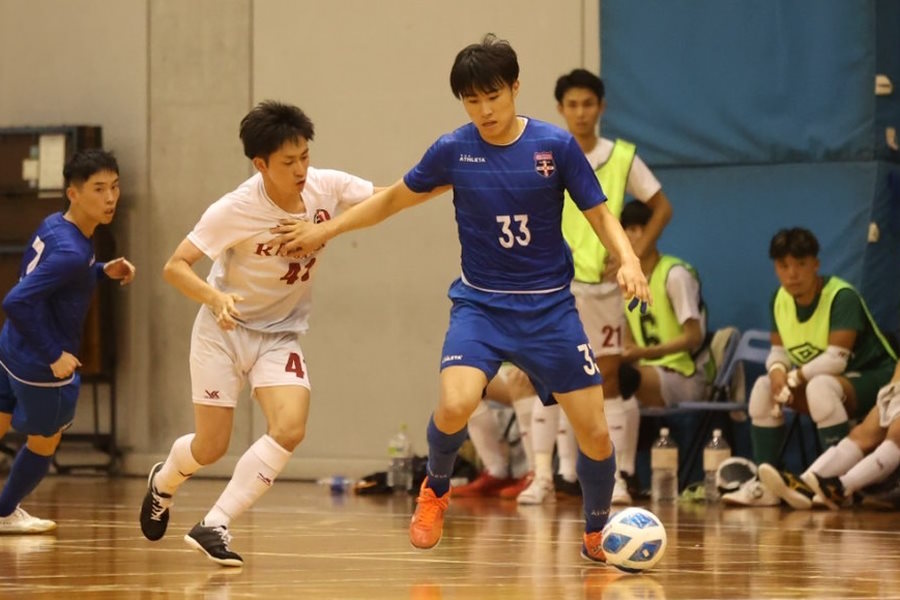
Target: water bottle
399,477
715,452
664,467
338,484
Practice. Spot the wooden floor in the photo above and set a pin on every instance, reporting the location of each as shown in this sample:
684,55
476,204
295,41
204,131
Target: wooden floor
302,542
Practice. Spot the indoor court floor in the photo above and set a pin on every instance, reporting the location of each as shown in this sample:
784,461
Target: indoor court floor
300,541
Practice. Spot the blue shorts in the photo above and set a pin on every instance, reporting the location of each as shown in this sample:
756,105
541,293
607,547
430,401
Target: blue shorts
539,333
38,410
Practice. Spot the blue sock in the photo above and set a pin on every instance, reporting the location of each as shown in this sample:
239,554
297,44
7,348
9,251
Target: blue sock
442,450
597,479
27,471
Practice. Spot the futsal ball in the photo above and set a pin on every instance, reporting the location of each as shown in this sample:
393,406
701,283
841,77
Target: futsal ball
633,540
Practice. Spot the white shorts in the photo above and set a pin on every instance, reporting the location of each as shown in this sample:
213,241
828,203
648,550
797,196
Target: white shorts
602,312
888,404
677,388
221,361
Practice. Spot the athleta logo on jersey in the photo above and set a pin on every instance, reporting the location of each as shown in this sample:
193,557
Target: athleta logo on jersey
543,163
471,159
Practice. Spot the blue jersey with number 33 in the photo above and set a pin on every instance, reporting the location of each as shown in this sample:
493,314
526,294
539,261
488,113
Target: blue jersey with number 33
509,203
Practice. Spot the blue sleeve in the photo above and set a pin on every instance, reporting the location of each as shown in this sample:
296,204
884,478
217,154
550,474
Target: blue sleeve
431,172
26,304
579,178
98,270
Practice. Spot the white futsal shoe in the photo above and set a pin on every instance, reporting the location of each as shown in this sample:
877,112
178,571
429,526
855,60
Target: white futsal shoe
751,493
21,522
540,490
620,495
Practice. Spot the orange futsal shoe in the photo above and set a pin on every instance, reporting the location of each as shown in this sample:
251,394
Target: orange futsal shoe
592,548
428,521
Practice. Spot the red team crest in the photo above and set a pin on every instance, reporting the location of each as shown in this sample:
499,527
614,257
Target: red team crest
543,163
321,216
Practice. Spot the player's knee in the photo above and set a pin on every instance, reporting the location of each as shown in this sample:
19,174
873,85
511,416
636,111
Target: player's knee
206,451
825,399
629,379
760,405
456,406
288,437
519,384
44,445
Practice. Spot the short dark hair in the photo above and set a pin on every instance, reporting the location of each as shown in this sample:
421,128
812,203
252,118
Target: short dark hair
86,163
795,242
484,67
579,78
269,125
635,212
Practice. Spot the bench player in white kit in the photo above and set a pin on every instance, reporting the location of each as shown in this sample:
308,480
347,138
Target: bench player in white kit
255,305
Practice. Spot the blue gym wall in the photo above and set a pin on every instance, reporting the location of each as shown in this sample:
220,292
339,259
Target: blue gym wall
757,116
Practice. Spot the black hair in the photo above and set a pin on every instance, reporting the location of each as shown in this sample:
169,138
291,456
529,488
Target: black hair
484,67
579,78
86,163
269,125
635,212
795,242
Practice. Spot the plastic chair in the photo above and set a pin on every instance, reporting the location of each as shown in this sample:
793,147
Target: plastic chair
727,394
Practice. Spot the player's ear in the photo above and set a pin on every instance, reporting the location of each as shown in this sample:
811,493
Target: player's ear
260,164
71,192
515,88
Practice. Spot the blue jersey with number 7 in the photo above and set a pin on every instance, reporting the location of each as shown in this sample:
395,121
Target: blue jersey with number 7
45,310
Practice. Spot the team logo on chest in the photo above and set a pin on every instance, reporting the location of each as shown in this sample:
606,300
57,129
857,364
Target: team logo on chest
321,216
543,163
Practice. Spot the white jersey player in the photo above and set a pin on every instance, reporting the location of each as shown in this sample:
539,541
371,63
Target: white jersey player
255,306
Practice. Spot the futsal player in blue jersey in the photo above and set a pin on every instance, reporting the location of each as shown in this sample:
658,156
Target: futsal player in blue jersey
45,314
512,301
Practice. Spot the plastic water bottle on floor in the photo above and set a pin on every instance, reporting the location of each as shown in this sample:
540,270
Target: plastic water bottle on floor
664,468
399,476
338,484
714,454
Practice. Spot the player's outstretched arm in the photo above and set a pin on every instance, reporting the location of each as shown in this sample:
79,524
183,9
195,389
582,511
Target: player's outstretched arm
302,237
179,272
630,276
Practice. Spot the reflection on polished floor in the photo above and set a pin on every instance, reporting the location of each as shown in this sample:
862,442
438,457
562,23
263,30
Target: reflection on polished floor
302,542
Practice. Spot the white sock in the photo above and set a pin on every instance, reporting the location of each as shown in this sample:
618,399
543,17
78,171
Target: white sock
544,427
484,431
523,408
873,468
179,465
836,460
253,475
566,448
623,417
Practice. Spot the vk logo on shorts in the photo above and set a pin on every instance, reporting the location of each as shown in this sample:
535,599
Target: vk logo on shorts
212,394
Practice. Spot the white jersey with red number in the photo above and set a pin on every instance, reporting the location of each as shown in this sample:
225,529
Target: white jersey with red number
234,233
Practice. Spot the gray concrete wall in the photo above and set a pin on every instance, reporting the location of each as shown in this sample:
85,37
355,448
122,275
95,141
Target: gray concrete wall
175,79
